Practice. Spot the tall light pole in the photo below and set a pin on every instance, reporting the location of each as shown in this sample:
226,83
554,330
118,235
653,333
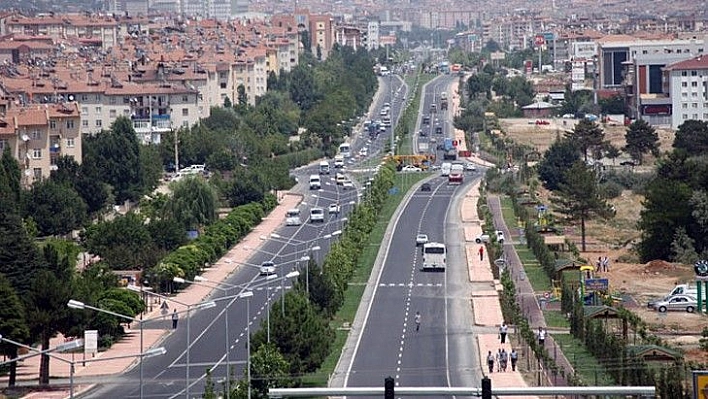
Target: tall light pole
73,304
200,305
202,281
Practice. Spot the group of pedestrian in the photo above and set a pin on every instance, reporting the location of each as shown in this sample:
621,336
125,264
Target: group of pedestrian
502,357
602,264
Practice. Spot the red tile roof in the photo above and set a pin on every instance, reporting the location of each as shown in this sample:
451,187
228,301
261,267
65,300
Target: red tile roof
699,62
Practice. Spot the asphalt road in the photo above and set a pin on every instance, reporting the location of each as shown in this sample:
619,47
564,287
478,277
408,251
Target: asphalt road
428,141
165,376
443,352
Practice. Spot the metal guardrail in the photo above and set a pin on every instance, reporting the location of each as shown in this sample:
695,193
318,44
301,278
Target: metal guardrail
642,391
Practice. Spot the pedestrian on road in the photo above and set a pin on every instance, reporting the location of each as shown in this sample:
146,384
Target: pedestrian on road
490,362
503,329
175,319
417,321
514,358
481,252
541,336
605,264
598,264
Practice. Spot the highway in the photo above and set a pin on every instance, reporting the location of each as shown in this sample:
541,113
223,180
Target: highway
165,376
443,352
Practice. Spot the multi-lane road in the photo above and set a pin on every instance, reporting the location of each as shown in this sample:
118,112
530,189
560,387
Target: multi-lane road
443,352
165,376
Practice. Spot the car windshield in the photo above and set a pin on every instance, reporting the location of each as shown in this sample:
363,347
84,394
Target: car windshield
434,250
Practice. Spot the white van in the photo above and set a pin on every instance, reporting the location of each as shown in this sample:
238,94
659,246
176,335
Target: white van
445,168
315,182
339,161
324,168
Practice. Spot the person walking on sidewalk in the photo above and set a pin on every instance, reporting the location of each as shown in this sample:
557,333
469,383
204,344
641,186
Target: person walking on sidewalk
490,362
514,358
175,319
481,252
541,336
503,330
503,359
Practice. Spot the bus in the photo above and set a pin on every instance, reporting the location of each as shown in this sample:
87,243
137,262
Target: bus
434,256
345,149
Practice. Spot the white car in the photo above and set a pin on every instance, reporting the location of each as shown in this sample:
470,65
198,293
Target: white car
410,168
267,268
482,238
364,152
316,215
333,208
500,236
421,239
347,185
677,302
469,166
293,221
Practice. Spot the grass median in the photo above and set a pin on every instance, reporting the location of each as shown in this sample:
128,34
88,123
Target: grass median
406,125
355,291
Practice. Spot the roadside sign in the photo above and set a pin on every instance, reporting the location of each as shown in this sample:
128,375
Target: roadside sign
539,40
597,284
90,342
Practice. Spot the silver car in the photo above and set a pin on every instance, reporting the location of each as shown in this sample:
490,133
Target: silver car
677,302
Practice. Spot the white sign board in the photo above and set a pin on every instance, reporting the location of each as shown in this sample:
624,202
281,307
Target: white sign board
90,342
584,49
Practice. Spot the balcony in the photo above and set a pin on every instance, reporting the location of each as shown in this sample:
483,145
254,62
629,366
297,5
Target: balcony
152,134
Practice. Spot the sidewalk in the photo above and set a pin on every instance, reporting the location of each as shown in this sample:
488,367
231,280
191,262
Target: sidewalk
29,369
485,302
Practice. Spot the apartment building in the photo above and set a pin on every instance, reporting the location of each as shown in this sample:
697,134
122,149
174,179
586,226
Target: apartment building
102,30
39,134
688,81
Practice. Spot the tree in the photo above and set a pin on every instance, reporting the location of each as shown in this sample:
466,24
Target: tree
47,312
302,87
12,324
56,208
124,243
559,157
613,105
242,96
692,137
306,41
579,198
115,156
269,369
11,177
19,259
228,103
586,135
682,248
641,138
193,203
576,101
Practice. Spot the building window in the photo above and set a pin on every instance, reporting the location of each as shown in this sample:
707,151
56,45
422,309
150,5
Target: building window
685,116
185,111
126,112
222,85
52,124
684,84
694,73
70,143
694,84
695,116
112,113
37,172
694,105
84,111
84,122
99,123
84,97
36,135
684,105
4,144
98,98
112,100
36,153
185,123
69,123
185,99
98,110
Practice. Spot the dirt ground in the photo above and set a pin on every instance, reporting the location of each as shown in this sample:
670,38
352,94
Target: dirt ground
615,239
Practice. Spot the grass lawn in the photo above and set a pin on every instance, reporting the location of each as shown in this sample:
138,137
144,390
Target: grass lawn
410,116
587,368
534,272
352,297
555,318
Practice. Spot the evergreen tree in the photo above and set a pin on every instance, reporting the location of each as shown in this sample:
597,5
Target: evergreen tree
579,197
56,208
692,137
586,135
559,157
641,138
12,324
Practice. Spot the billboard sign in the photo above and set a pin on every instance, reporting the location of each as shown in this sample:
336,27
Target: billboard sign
539,40
584,49
597,284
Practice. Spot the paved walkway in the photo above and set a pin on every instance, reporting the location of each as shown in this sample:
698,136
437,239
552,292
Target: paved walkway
155,332
485,302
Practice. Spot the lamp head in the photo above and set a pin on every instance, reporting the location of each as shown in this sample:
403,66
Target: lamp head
73,304
179,280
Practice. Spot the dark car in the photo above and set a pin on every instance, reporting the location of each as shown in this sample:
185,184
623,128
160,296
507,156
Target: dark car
438,130
425,187
426,120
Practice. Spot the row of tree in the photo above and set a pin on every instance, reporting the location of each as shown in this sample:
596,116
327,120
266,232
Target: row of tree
301,335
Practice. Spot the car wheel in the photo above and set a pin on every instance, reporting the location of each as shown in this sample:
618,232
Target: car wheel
690,309
662,309
478,241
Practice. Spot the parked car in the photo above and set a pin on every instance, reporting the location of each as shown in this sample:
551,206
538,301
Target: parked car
421,239
425,187
267,268
500,236
677,302
482,238
411,168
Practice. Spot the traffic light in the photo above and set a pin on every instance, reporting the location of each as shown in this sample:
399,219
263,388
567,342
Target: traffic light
388,388
486,388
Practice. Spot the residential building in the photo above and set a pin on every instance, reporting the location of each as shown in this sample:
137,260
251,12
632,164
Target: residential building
372,35
39,134
688,81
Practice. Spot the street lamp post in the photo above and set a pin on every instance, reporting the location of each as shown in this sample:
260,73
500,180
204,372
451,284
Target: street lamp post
200,305
73,304
227,340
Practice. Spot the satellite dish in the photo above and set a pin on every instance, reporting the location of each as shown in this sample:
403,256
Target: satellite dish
54,167
28,172
25,137
71,97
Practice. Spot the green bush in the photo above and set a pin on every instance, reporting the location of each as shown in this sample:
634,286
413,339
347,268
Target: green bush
611,190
